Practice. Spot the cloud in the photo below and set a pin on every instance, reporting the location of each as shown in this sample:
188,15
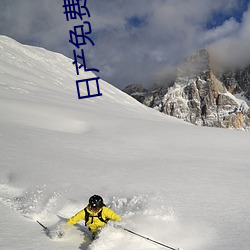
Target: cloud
135,41
228,28
233,49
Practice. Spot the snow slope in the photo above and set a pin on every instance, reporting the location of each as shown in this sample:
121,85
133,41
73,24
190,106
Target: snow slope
176,183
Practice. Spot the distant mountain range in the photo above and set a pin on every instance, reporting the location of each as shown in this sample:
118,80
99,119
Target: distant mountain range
201,94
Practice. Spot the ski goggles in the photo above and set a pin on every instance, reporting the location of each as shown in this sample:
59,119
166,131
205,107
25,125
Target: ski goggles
94,208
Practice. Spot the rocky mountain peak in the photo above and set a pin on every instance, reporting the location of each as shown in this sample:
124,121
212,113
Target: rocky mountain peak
202,97
196,64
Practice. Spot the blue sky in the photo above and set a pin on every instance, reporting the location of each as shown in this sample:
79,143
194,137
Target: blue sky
136,41
218,17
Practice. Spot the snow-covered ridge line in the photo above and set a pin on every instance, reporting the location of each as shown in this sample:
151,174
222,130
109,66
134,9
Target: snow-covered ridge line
33,64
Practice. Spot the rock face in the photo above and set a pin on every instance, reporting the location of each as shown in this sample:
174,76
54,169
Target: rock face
201,97
136,90
237,81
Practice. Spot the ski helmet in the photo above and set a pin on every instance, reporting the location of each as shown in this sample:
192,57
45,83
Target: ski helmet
95,202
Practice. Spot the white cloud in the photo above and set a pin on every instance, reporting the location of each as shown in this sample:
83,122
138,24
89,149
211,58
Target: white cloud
228,28
233,50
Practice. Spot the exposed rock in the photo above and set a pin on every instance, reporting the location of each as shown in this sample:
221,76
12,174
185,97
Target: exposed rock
133,88
237,81
137,91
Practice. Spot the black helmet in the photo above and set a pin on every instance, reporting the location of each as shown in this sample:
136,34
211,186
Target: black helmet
96,202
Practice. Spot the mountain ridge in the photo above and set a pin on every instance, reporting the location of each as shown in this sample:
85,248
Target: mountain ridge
200,95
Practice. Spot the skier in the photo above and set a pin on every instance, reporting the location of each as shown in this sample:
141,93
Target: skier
95,214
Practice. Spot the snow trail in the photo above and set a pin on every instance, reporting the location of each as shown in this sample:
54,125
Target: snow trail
147,215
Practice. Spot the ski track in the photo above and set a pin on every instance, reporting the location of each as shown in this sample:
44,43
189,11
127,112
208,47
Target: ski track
144,214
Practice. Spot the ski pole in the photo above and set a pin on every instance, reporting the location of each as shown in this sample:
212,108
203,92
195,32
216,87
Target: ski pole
146,238
45,228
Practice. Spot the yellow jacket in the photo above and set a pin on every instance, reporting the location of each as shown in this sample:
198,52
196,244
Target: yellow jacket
94,223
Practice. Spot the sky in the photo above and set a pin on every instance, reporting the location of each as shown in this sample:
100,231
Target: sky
136,41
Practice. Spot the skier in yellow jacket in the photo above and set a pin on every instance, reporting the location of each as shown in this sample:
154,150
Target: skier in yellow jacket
96,215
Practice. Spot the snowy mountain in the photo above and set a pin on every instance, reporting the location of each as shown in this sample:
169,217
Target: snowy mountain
182,185
201,95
